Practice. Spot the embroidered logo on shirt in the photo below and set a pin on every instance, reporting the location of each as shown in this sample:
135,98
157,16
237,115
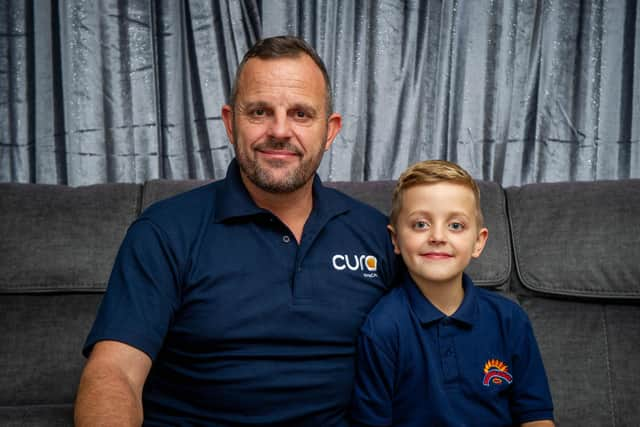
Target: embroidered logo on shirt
495,372
366,263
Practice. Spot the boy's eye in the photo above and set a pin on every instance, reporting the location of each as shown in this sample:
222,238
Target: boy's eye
456,226
420,225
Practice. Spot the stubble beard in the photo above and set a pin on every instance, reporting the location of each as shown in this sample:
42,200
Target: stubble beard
263,177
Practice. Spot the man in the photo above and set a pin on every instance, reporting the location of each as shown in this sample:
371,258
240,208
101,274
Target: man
238,303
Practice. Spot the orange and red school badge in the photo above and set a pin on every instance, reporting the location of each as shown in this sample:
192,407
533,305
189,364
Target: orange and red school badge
495,372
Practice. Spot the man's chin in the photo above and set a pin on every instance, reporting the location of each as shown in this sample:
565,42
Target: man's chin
278,176
278,183
290,162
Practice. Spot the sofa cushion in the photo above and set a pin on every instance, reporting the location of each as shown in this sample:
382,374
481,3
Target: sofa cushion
57,238
493,267
591,355
37,415
40,355
577,239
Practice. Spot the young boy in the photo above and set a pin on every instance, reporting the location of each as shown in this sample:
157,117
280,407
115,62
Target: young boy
436,350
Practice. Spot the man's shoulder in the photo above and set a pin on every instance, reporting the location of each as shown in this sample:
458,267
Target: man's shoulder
355,207
183,206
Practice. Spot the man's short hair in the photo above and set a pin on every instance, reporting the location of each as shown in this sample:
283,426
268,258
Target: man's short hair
283,47
431,172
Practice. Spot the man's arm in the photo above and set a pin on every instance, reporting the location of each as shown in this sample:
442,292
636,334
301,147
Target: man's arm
542,423
110,390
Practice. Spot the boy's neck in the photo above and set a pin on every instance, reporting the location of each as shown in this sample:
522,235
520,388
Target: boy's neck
446,297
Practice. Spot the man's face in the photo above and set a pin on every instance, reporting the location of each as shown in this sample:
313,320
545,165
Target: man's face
279,126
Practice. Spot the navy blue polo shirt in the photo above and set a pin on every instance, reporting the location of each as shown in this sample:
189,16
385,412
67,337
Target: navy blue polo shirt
418,367
245,326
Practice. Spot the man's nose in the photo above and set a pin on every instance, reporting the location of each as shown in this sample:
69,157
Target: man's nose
280,126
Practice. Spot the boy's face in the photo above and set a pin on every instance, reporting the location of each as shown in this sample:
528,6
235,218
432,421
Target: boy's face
437,232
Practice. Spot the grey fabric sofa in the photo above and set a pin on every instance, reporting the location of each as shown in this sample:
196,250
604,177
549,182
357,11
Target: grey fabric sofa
568,252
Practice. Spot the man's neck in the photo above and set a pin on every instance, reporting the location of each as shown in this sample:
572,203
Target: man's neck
292,208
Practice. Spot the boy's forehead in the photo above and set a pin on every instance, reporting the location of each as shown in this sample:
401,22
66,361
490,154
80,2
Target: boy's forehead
440,196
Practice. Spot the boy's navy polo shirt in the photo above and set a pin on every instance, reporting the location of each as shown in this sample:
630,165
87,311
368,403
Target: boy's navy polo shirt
245,326
479,367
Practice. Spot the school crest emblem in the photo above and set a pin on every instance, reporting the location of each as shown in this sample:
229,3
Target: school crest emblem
495,372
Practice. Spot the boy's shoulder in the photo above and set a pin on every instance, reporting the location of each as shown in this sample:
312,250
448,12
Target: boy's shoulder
389,313
501,308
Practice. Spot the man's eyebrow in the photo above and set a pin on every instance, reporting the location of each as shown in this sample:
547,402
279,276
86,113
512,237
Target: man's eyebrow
252,105
302,106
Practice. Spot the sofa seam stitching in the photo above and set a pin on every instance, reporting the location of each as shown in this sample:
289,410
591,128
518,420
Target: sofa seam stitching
612,405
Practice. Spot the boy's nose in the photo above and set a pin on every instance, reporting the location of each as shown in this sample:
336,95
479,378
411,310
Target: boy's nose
436,235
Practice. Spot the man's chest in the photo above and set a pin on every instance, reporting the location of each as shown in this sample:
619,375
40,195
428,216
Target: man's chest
257,284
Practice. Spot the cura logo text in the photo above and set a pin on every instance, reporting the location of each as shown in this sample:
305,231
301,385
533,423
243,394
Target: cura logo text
355,262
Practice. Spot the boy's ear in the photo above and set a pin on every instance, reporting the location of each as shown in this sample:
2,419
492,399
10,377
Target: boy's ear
394,239
481,240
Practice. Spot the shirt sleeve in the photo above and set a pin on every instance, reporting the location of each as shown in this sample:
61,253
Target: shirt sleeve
531,399
373,388
142,294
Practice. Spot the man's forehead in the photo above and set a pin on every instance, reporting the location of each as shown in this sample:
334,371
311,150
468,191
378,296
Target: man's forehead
281,77
299,68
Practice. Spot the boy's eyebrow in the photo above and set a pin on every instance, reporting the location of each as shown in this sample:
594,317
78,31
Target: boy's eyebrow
449,214
459,213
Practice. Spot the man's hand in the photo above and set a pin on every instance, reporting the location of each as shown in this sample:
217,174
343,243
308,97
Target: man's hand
110,390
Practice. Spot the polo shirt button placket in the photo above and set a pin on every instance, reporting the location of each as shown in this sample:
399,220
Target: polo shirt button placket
447,351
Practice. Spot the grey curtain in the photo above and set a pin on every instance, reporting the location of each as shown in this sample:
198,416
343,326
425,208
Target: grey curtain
516,91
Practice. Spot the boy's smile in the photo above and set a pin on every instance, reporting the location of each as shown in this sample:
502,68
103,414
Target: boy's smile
437,233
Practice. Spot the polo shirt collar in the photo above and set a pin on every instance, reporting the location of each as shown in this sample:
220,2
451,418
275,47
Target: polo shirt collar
234,200
427,313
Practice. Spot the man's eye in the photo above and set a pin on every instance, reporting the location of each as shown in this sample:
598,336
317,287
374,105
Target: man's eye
301,114
258,112
456,226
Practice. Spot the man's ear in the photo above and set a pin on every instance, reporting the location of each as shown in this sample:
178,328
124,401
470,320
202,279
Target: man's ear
334,124
394,239
227,119
481,240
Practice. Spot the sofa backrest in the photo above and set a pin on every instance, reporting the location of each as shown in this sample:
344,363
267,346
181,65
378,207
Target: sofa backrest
576,250
56,251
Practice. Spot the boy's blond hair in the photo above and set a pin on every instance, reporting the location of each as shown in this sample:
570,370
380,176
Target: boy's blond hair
431,172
